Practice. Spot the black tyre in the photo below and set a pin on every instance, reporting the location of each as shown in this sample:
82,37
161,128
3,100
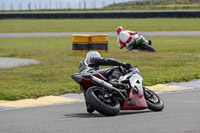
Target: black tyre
154,102
102,101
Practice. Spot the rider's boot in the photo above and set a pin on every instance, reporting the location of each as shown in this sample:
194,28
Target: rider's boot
89,108
150,42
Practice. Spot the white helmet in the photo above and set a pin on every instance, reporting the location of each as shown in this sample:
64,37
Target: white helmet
124,36
91,54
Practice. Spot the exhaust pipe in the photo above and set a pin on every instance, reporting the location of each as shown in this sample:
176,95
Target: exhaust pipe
105,84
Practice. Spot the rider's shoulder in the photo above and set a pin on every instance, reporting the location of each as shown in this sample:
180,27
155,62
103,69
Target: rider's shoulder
122,33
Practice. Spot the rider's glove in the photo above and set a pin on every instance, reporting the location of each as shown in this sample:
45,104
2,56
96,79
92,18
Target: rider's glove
127,66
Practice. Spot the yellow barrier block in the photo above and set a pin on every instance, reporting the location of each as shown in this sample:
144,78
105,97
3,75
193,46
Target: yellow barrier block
81,39
84,43
99,38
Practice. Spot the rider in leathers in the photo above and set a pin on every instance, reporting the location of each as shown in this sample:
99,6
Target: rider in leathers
132,40
92,63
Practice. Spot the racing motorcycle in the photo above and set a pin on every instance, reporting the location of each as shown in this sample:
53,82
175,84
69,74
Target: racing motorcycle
127,93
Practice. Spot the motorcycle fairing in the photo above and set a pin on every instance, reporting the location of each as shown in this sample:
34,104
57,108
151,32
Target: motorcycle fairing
135,101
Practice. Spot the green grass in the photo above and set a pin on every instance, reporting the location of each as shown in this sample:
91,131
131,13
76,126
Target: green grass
52,75
97,25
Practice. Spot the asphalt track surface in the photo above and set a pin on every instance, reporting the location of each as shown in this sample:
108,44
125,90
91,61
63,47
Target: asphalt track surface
60,34
15,62
180,115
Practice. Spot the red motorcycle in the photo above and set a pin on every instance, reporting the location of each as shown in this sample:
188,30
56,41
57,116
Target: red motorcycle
109,98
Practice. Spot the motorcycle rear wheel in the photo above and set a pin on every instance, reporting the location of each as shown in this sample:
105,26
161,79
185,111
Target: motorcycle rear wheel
148,48
102,102
154,102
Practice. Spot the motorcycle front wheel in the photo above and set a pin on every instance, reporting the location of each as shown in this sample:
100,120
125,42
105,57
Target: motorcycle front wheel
102,101
154,102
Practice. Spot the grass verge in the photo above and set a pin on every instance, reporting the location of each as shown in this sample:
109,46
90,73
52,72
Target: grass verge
171,63
97,25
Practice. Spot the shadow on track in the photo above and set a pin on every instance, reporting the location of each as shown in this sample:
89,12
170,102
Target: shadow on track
84,115
96,115
131,112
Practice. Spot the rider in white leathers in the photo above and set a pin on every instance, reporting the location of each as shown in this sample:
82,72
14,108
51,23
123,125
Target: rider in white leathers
132,40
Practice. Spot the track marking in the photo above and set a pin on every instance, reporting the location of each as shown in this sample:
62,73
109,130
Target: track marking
161,88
